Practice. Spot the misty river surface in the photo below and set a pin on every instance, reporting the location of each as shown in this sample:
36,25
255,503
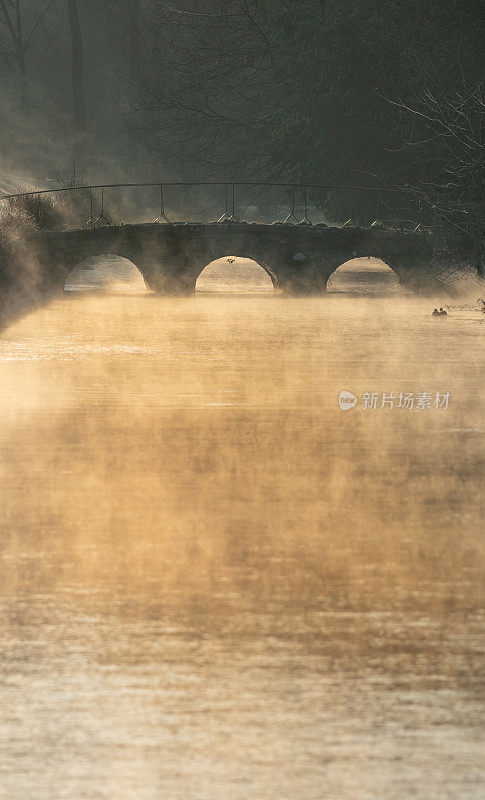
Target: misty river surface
217,585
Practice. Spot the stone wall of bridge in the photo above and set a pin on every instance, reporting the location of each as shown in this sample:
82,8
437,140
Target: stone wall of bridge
299,259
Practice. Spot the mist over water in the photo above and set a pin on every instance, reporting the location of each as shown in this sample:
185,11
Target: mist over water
214,583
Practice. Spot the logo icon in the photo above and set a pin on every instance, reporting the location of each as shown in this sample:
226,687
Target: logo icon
347,400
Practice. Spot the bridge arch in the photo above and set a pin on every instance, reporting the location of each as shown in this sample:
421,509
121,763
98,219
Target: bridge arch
236,274
364,274
105,272
171,257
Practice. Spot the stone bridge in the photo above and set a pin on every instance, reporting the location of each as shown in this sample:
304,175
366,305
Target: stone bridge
299,259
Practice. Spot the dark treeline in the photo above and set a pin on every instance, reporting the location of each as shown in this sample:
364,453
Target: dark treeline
68,74
379,93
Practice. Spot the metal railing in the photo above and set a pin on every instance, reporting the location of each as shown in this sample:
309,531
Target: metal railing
296,195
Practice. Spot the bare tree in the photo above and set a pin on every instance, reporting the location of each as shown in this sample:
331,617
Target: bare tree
205,81
21,22
453,124
77,66
135,67
12,18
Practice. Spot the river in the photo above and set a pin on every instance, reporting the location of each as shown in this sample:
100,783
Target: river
218,585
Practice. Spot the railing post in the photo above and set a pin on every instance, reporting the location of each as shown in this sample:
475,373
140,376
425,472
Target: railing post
233,217
292,215
91,221
162,215
305,220
225,217
101,217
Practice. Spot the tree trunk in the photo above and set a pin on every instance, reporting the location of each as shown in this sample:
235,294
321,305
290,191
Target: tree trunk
134,73
77,66
135,40
14,25
20,53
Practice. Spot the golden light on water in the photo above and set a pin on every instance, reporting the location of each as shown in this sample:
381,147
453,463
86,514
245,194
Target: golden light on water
214,582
